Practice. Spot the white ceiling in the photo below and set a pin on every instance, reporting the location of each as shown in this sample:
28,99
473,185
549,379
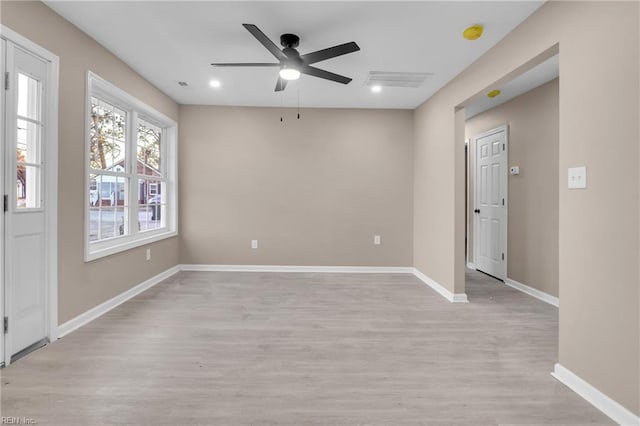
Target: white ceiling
535,77
173,41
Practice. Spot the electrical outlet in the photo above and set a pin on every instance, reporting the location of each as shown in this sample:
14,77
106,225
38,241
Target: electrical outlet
148,254
254,244
376,240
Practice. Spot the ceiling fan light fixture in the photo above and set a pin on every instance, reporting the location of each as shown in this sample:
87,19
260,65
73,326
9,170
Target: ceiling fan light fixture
289,73
376,89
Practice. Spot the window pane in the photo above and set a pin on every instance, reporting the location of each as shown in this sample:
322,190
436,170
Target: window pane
28,97
152,204
148,149
107,136
107,191
27,143
108,207
150,191
28,187
106,222
146,218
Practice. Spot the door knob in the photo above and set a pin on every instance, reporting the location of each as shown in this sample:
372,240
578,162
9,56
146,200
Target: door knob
476,211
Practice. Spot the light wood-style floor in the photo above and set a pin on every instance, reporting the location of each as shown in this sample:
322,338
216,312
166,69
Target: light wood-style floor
207,348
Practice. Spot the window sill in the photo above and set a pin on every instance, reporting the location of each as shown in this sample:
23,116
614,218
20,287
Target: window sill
120,246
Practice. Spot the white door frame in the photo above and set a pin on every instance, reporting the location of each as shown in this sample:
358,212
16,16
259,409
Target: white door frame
50,189
469,201
504,182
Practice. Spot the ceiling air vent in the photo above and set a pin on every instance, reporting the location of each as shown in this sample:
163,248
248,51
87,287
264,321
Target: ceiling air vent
396,79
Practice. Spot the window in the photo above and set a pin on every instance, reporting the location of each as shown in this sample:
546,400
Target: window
131,172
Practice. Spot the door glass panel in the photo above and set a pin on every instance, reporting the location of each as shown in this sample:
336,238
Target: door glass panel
28,97
28,146
28,187
28,143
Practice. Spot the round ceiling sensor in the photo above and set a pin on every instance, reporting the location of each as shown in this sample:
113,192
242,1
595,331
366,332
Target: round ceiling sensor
474,32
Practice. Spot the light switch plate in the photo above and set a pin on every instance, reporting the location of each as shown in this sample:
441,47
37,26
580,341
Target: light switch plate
376,240
577,177
254,244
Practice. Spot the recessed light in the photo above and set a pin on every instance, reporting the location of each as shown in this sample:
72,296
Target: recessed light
214,83
474,32
376,89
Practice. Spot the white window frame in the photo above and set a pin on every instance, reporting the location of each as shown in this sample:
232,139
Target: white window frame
102,89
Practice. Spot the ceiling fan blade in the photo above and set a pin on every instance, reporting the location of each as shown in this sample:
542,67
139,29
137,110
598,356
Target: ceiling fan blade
281,84
246,64
317,72
266,42
328,53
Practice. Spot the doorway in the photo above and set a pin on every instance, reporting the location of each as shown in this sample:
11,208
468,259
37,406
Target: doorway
29,183
512,128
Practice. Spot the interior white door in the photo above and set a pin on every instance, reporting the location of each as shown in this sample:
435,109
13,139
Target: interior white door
491,204
25,278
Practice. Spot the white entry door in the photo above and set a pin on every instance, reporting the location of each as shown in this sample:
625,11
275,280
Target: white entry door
491,202
26,322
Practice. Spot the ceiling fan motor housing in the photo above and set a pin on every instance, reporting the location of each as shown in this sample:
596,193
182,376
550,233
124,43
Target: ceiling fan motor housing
289,40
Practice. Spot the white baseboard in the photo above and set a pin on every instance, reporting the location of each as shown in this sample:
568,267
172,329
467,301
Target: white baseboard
602,402
545,297
285,268
456,298
451,297
471,265
93,313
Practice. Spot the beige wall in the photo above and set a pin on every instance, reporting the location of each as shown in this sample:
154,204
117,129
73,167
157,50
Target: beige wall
313,191
598,227
532,245
81,285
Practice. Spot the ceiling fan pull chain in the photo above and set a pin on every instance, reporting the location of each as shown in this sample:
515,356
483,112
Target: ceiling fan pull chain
298,104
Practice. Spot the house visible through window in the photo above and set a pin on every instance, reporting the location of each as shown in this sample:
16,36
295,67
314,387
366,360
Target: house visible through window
131,172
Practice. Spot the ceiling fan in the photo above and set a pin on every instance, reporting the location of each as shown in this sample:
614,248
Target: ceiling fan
292,63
